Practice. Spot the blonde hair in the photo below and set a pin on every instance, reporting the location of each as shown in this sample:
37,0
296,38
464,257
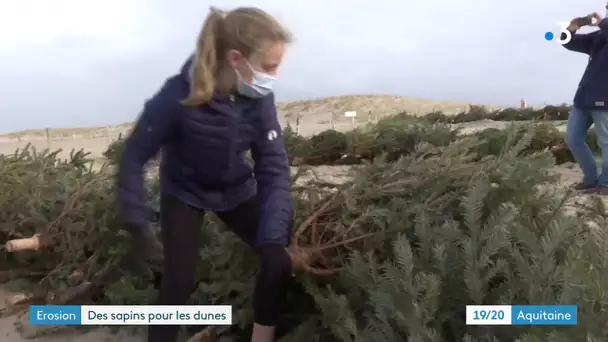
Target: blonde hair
245,29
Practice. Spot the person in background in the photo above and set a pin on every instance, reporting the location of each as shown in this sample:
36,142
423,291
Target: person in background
204,120
590,105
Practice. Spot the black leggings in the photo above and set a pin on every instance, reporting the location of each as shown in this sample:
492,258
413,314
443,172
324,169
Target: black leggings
181,234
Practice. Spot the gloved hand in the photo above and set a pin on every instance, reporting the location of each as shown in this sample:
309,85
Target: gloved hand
142,248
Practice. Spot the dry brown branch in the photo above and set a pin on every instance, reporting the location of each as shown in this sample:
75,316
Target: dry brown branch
8,275
305,258
206,335
71,295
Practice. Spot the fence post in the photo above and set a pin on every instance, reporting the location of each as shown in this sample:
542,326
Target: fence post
298,124
354,120
48,137
107,130
369,116
333,121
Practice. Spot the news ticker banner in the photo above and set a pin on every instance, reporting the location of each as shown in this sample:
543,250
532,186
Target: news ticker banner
222,315
130,315
522,315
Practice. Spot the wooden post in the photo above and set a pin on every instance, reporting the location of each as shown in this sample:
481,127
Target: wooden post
298,124
48,137
369,116
354,119
333,121
107,130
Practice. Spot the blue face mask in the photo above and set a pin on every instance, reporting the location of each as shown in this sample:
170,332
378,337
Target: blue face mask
260,86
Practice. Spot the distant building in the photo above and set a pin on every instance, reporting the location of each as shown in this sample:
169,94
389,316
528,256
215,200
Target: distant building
524,104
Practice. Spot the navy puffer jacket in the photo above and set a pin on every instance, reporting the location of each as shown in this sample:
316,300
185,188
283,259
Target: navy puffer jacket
592,90
203,160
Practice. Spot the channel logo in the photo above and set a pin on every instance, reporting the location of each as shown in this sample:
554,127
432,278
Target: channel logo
562,36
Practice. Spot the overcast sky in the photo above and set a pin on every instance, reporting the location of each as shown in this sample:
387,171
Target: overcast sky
67,63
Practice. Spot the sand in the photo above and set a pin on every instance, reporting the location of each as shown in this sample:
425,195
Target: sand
8,326
16,329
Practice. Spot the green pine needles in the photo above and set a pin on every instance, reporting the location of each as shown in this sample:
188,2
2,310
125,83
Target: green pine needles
437,222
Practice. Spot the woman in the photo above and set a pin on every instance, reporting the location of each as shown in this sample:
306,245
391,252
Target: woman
205,119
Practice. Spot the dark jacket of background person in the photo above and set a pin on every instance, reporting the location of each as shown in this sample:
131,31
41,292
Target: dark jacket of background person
592,90
203,160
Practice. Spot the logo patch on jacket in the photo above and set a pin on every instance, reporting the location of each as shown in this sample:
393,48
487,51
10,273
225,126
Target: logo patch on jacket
599,103
272,135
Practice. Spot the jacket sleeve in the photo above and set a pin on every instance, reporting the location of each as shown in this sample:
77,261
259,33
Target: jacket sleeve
273,175
580,42
152,130
603,26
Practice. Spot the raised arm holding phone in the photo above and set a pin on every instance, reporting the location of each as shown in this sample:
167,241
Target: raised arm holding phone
590,105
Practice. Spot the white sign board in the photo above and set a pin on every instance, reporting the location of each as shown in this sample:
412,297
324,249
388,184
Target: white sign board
350,114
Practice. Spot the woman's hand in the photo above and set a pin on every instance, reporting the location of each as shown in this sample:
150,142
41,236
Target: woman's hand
142,248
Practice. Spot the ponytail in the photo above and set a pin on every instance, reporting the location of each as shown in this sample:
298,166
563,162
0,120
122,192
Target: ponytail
204,67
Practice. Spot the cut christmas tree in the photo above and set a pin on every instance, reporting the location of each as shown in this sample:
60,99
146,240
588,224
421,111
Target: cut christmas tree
392,254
